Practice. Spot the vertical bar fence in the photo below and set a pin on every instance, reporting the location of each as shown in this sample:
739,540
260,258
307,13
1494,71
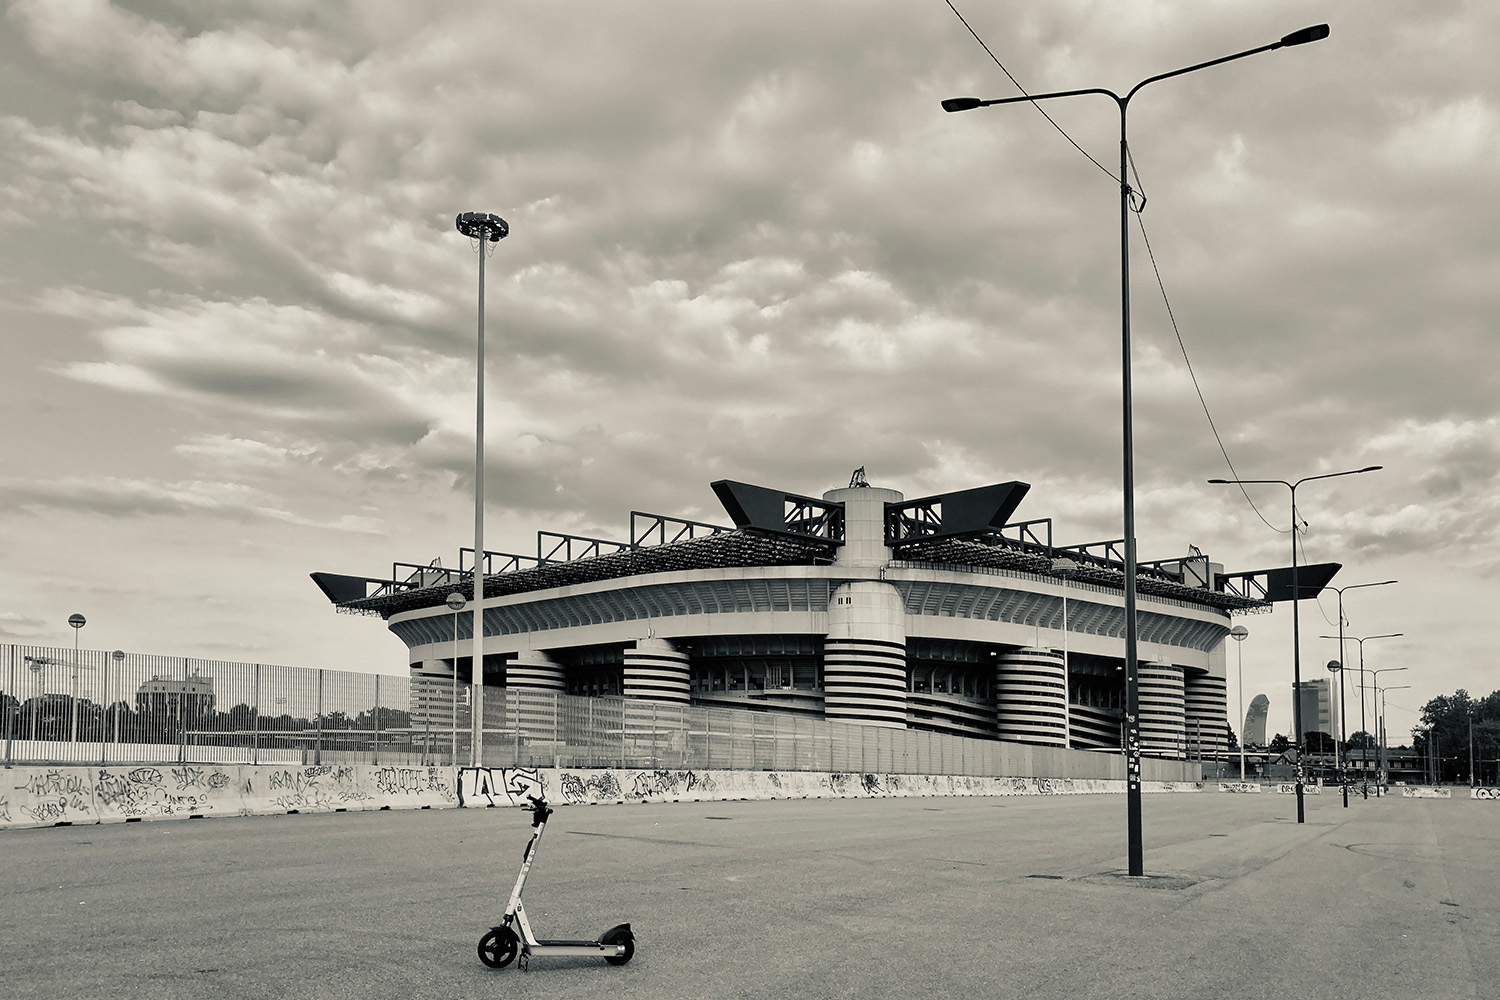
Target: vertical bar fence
103,708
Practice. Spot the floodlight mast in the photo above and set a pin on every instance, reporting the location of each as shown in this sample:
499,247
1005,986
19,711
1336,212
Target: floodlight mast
1136,845
485,228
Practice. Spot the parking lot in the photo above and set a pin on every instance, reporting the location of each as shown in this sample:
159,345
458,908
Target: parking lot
945,897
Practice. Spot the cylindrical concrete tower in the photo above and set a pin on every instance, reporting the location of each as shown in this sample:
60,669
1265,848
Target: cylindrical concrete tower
533,682
864,655
534,670
1031,697
656,671
1207,720
1163,716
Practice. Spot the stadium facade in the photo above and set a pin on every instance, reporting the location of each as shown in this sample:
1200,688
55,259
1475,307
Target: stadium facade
935,614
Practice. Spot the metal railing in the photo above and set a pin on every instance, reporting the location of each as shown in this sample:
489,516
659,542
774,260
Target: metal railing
111,709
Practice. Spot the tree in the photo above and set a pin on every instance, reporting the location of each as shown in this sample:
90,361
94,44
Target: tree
1318,741
1279,744
1444,727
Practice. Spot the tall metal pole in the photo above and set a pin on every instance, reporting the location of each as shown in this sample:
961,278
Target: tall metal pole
1134,833
1297,661
1338,666
77,621
476,669
1132,693
1384,757
486,229
1066,568
1343,784
1296,621
1364,755
455,604
1471,747
1239,633
1344,660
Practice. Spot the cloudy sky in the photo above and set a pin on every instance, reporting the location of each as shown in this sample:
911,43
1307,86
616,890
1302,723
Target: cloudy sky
746,243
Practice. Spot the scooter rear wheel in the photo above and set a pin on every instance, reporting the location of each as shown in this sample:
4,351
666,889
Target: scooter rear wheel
498,948
619,937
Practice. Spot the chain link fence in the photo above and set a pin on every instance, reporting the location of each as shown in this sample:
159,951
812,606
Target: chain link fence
96,707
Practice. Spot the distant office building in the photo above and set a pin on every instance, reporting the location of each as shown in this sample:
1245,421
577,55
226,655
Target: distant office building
185,698
167,688
1255,721
1317,707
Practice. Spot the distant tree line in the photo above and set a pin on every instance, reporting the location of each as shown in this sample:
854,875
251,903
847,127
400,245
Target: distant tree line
164,718
1452,724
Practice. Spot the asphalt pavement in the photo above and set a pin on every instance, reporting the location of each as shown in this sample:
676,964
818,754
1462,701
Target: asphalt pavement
942,897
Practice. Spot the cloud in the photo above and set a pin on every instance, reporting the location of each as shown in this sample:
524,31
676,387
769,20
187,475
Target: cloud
746,243
114,497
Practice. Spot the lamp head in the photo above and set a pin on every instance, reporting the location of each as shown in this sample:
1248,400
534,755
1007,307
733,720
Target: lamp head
456,601
1238,633
1316,33
1334,666
77,621
482,226
961,104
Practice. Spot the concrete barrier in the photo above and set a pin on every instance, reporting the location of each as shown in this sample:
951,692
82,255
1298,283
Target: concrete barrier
168,791
46,796
402,787
312,788
1241,787
1482,792
1290,788
485,787
1418,792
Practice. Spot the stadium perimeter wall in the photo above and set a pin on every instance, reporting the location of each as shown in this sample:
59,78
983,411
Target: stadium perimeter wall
70,795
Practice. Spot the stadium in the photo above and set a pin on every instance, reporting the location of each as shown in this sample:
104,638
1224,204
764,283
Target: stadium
939,614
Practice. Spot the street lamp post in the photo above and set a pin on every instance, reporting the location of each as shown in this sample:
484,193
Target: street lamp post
1384,757
1364,757
1343,728
78,622
1337,667
1380,749
1132,679
1239,633
1300,737
485,229
455,604
1065,568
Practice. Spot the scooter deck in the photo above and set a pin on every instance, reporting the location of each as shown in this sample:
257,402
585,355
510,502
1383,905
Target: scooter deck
581,948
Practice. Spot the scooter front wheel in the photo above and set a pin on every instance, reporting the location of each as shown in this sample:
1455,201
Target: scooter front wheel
498,948
619,937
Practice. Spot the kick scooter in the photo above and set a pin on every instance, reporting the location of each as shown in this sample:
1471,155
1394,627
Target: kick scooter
500,946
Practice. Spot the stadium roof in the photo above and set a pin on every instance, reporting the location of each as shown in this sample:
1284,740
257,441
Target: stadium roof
429,586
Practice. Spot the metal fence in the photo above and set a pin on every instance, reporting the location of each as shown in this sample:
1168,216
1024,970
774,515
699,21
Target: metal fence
113,708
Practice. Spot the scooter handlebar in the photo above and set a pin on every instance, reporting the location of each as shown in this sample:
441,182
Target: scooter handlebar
539,810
